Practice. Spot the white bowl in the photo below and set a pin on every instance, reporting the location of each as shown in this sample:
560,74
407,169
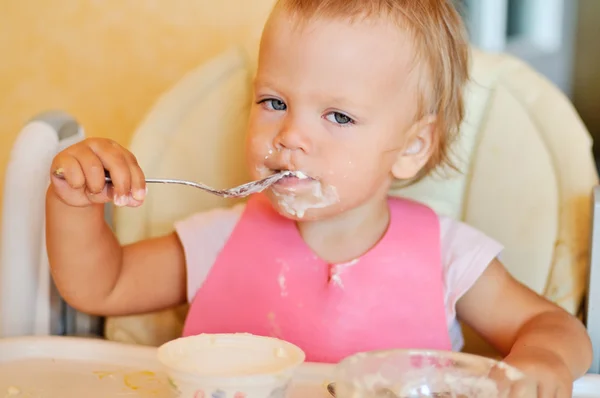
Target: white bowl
235,365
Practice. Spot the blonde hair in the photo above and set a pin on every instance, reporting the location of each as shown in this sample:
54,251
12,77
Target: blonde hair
440,43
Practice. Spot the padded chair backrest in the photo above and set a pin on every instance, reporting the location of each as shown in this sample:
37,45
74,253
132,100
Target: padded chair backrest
196,132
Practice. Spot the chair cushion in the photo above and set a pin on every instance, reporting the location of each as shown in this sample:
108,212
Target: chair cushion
195,131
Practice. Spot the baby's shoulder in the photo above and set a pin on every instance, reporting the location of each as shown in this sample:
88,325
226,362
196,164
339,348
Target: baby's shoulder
464,246
456,229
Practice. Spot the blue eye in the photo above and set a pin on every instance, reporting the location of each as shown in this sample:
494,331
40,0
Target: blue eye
274,104
339,118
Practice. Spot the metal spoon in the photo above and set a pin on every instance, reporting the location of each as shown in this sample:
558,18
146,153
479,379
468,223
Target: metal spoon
237,192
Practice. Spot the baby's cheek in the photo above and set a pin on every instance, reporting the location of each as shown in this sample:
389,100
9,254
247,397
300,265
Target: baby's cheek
353,185
346,173
333,167
253,168
257,169
255,162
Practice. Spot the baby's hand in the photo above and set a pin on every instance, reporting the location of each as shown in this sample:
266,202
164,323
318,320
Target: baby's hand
553,378
83,181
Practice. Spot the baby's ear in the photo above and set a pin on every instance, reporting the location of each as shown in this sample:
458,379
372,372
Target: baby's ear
421,140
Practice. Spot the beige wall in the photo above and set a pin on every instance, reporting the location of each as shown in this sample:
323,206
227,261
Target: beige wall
106,61
586,81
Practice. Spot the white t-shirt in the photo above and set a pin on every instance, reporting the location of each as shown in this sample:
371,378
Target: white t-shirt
466,253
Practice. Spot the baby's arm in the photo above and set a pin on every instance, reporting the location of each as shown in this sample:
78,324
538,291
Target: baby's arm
90,268
534,334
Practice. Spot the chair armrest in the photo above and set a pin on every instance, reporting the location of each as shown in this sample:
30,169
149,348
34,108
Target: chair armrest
65,320
592,314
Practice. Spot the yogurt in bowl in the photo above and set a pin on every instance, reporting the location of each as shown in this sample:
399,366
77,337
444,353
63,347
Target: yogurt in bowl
237,365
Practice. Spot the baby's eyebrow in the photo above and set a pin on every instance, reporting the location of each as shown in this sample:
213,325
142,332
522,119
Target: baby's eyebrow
345,102
263,82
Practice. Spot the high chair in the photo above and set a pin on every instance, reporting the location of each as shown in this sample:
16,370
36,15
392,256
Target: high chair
527,177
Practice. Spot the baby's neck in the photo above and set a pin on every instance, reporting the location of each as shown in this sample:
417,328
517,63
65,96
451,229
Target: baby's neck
349,235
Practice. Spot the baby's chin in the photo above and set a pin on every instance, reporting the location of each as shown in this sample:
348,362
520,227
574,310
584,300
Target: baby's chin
304,207
302,215
308,215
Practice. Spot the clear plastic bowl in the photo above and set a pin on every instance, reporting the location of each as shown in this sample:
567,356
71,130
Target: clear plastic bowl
230,365
425,374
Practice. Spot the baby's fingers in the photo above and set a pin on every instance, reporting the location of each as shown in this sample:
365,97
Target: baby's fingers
113,159
96,188
93,170
67,170
138,180
68,181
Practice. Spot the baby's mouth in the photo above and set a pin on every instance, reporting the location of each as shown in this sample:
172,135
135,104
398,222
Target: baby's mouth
294,174
293,178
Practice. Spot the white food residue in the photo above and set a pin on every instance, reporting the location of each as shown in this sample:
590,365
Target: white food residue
281,277
297,204
300,175
281,280
337,270
12,391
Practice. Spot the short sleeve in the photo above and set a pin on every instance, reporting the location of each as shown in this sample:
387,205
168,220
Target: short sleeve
203,236
466,253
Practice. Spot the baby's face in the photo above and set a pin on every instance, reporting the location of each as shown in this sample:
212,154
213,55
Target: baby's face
332,100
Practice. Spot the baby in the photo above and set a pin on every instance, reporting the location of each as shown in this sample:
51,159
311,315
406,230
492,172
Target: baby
353,95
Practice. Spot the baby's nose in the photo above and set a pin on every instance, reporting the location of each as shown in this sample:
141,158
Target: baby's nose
293,139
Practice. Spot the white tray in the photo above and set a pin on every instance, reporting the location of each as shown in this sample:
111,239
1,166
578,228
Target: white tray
71,367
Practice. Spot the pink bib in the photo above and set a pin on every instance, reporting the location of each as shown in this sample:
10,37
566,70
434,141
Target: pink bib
268,282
